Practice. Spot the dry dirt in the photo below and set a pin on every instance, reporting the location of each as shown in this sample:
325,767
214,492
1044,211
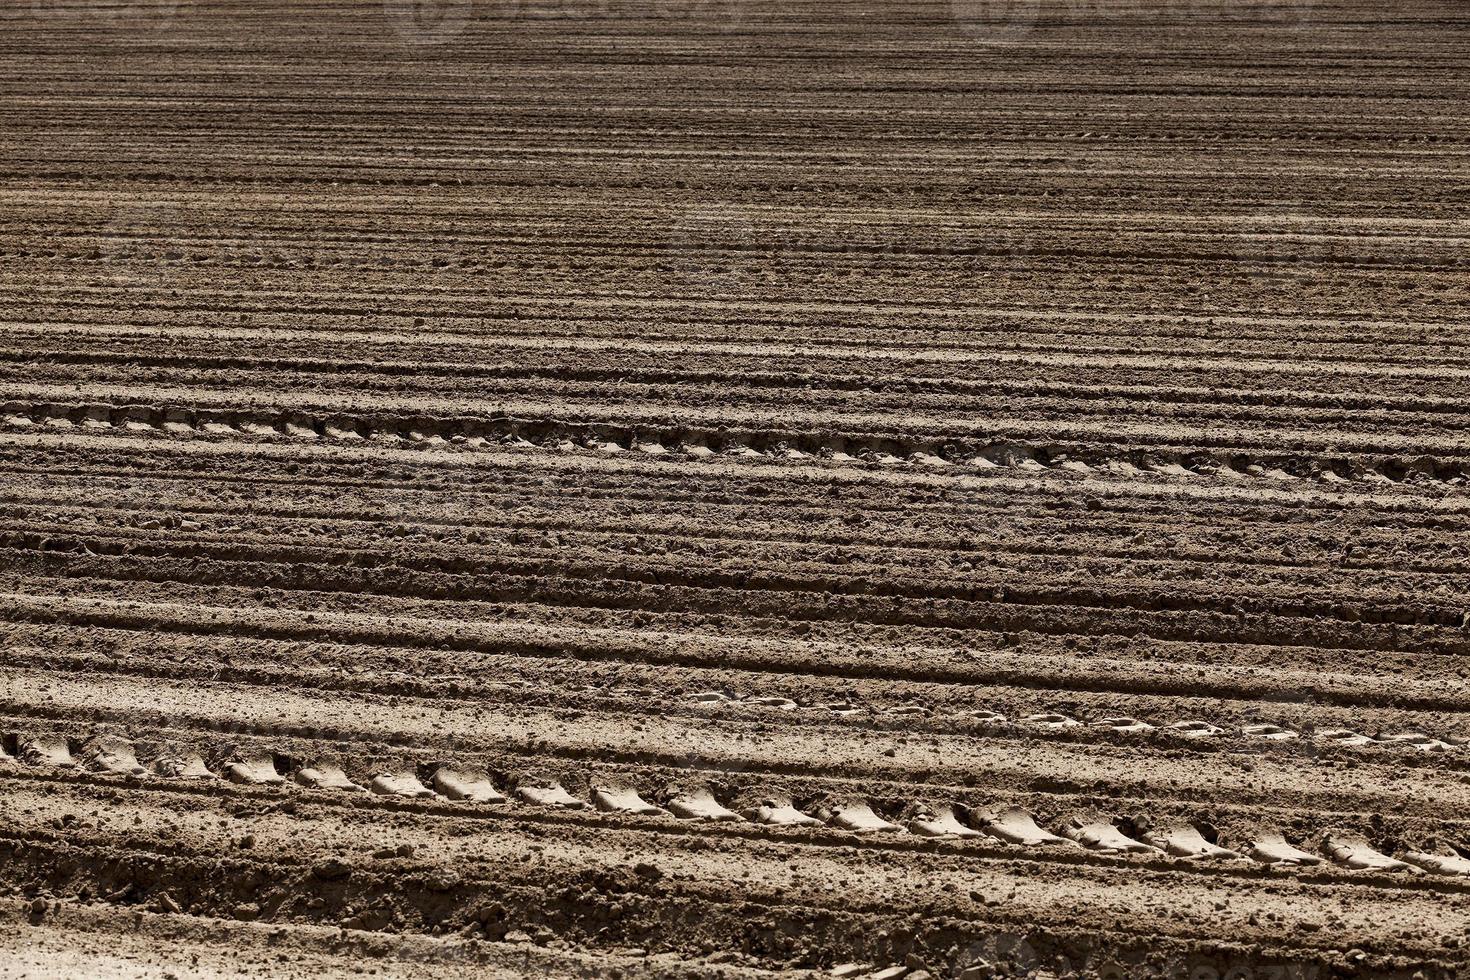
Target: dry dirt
723,488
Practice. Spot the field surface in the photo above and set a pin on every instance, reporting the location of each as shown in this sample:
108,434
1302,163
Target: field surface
734,489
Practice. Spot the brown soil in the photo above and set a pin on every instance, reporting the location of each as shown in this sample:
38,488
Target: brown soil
719,488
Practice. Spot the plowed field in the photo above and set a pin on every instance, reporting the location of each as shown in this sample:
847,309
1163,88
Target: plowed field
726,489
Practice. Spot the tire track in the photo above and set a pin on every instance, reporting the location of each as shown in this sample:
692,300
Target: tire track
789,446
